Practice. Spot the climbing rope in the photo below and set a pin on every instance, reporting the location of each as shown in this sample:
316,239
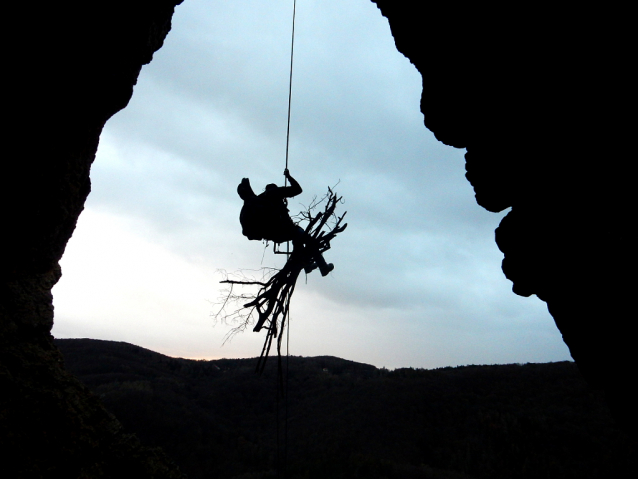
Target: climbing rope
292,54
285,458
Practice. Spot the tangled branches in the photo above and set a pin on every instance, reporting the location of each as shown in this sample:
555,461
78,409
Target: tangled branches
269,307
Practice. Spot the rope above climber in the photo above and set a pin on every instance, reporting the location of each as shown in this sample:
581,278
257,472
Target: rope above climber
266,217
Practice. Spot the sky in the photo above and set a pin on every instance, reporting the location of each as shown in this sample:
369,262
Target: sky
417,279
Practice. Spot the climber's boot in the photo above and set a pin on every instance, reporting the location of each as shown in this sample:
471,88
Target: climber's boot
326,269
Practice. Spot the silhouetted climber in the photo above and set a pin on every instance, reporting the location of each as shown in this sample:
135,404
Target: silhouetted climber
266,216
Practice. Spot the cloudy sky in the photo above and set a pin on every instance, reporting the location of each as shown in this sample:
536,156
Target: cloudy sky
417,279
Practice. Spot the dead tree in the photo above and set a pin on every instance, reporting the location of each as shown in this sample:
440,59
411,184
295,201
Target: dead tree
269,308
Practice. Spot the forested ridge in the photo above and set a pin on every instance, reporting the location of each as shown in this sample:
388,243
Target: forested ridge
351,420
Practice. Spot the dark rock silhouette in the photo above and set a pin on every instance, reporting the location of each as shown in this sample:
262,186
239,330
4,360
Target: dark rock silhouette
71,66
541,98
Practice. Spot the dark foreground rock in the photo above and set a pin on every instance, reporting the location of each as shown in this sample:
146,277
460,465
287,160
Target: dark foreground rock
540,99
70,66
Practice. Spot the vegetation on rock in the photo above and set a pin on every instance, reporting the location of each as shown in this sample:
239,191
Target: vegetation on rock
350,420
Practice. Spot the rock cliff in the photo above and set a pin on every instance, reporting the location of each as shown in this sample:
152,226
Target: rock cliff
70,65
541,99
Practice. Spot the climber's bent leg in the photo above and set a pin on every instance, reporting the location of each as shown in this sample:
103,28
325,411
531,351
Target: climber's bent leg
317,257
324,267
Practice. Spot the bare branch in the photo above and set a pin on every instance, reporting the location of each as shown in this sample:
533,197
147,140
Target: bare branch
268,308
229,281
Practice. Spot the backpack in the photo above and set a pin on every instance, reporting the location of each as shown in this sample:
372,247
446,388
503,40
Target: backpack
263,217
253,217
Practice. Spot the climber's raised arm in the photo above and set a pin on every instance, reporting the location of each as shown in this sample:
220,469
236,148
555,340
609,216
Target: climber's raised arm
294,189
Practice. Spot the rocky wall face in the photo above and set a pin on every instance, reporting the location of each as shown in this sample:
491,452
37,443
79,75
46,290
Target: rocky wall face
71,65
541,99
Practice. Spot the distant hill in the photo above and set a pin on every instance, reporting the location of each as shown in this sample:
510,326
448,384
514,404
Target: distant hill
351,420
